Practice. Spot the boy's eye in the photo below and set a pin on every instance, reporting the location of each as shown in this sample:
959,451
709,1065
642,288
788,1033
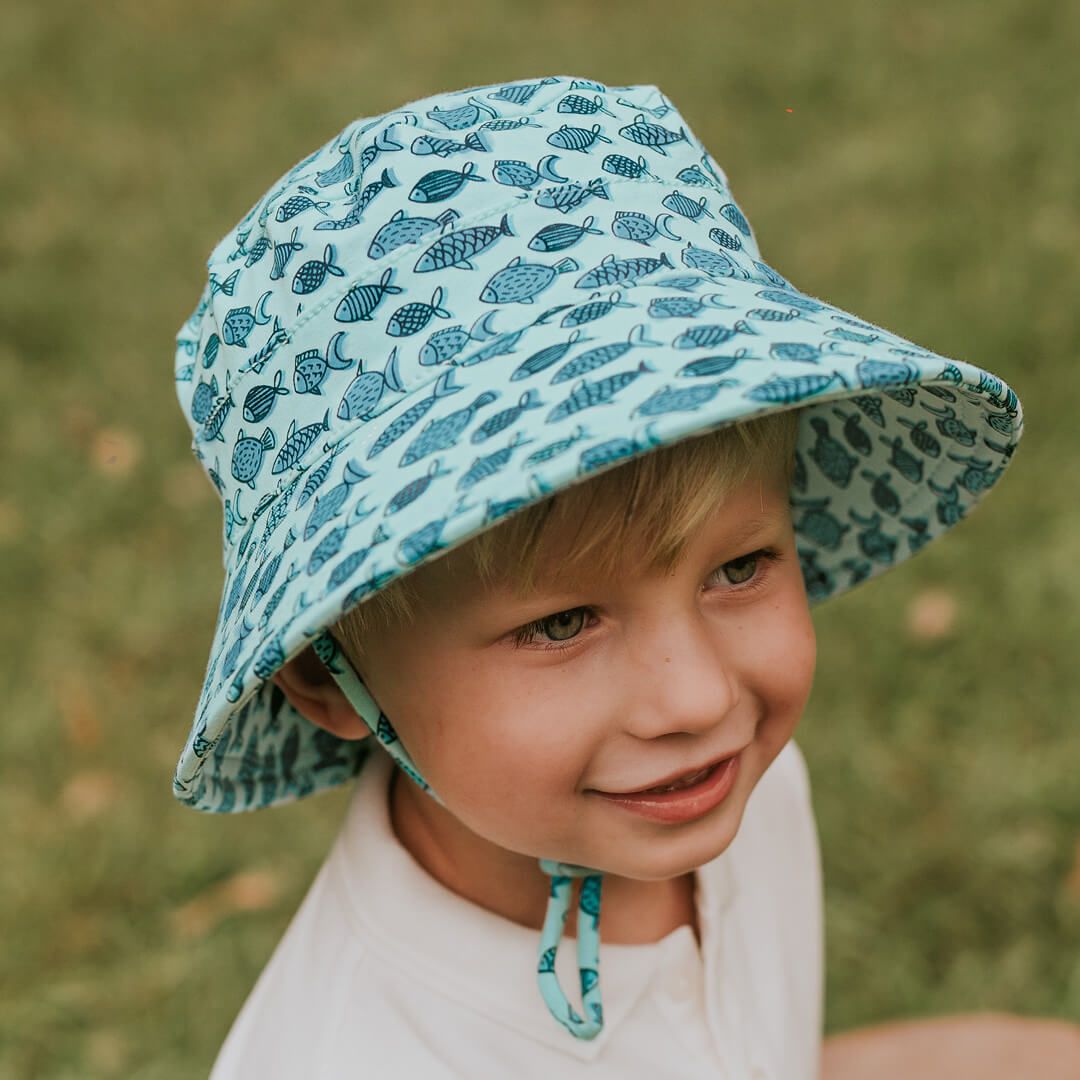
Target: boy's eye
741,569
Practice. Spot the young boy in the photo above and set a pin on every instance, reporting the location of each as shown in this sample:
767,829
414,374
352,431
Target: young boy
546,554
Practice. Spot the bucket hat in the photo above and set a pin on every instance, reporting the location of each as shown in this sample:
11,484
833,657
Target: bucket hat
455,309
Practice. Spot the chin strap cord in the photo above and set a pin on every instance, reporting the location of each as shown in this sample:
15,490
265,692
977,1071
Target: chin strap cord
328,650
588,947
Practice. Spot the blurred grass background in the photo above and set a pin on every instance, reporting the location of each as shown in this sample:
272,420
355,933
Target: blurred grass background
914,162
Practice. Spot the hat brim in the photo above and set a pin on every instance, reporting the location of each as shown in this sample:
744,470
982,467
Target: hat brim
896,445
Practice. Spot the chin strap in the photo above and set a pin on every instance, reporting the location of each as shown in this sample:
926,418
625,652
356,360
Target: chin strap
352,686
588,947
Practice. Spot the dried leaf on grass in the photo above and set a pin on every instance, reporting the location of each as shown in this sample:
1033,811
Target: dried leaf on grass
249,890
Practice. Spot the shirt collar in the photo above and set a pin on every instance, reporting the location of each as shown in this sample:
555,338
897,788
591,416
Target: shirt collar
469,954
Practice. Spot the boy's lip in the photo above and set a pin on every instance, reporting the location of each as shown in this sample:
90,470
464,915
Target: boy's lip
672,777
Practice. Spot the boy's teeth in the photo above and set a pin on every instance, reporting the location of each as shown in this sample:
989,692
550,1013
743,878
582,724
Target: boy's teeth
689,781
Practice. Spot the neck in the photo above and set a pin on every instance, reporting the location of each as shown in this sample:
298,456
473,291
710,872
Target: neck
513,886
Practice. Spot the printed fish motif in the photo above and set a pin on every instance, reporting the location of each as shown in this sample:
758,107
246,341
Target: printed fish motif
620,165
903,460
711,262
328,506
546,453
311,367
442,184
885,373
586,395
521,93
885,498
714,365
603,354
355,559
725,239
442,433
259,400
520,282
730,212
521,174
361,300
415,488
339,172
401,230
363,395
227,286
681,399
489,464
502,420
835,463
544,358
331,543
610,270
283,252
411,415
360,203
462,117
213,343
653,136
240,321
298,442
432,144
457,248
424,541
950,426
317,476
445,344
276,339
698,337
683,307
687,207
583,106
258,250
576,138
630,225
561,235
612,450
247,456
297,204
413,317
313,273
857,439
790,390
203,399
790,299
593,310
921,439
570,196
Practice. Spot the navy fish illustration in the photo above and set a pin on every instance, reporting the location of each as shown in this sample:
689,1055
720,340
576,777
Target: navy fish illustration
730,212
489,464
561,235
583,106
415,488
520,174
603,354
279,594
658,112
457,248
949,425
313,273
798,351
316,476
428,539
770,275
258,250
630,225
725,239
774,314
714,365
274,341
570,196
361,300
790,299
682,307
687,282
586,395
790,390
247,456
203,399
355,559
445,344
594,309
568,137
211,428
213,344
611,270
521,93
681,399
363,395
462,117
433,144
520,282
612,450
413,317
500,345
850,335
259,400
442,433
620,165
298,442
560,446
693,176
708,335
688,208
501,420
885,372
331,543
360,203
339,172
311,367
441,184
402,423
650,135
544,358
240,321
227,286
283,252
505,124
297,204
328,506
711,262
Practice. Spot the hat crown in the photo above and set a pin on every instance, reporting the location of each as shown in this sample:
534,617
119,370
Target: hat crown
340,265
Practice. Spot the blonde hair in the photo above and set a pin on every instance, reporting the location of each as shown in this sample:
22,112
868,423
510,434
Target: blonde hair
660,498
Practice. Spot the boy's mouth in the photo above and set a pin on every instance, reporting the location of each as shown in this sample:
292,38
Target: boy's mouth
676,782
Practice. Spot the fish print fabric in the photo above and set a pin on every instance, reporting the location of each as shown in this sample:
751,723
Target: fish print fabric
457,308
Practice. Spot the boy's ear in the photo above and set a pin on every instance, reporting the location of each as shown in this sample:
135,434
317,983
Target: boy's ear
311,690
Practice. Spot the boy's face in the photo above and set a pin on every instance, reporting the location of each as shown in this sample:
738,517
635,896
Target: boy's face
657,677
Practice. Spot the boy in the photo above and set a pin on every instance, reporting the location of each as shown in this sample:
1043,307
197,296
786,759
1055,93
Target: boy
557,577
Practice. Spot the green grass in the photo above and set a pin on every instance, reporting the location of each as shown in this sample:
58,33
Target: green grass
926,178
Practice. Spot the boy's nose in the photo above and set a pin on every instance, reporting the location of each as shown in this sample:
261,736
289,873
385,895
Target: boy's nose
681,680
